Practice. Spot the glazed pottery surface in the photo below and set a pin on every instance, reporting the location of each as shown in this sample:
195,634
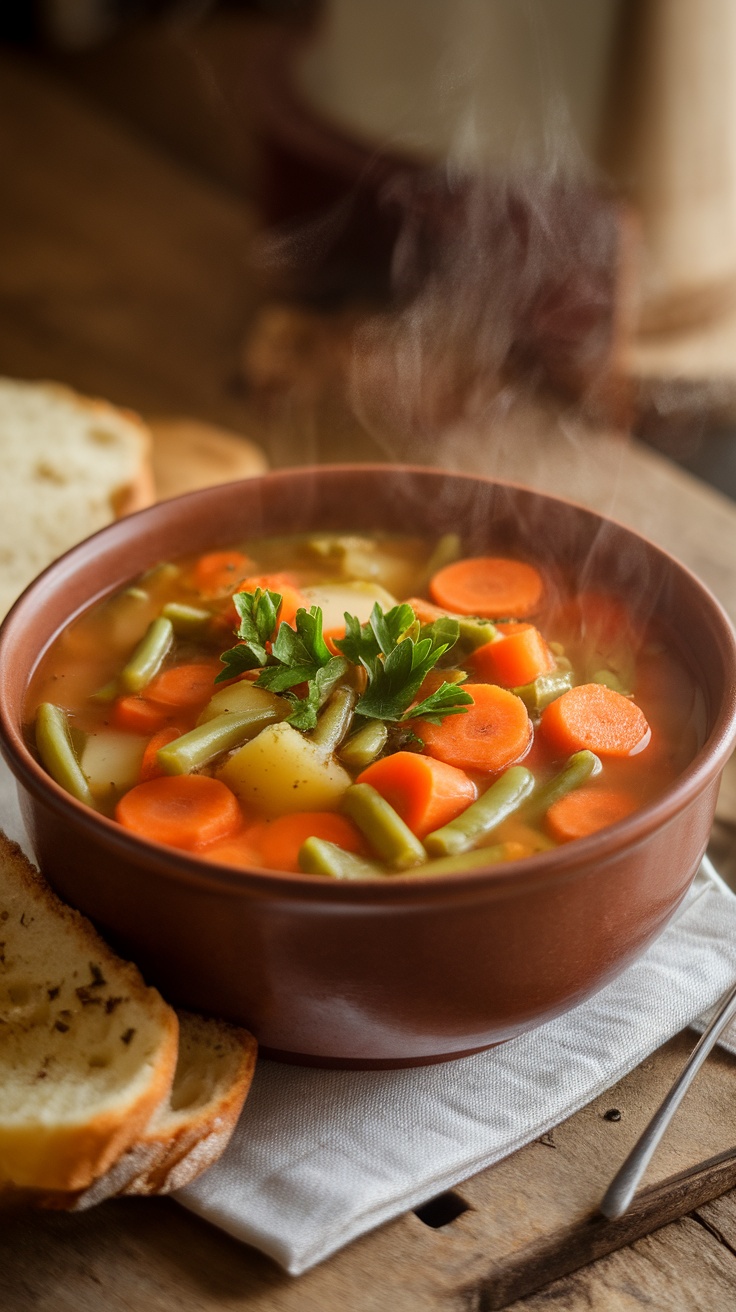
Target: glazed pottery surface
399,970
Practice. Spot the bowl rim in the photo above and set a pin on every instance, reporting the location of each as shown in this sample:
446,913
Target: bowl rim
518,876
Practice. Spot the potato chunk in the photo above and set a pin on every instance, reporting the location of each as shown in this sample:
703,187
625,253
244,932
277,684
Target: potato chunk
356,598
281,771
243,696
111,761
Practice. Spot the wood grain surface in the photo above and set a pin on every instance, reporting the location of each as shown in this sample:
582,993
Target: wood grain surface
129,278
527,1220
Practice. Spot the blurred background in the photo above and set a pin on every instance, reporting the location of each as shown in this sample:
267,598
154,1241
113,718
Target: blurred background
340,229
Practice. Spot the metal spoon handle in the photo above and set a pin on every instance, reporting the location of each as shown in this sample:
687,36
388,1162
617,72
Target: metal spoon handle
623,1186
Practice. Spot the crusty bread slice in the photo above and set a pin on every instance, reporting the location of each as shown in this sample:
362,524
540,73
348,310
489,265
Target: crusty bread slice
70,465
87,1051
191,1130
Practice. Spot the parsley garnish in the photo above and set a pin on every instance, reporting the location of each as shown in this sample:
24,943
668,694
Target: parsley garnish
297,655
397,654
395,651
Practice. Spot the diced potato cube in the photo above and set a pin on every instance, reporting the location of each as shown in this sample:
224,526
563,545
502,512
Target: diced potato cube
355,598
280,771
111,760
241,697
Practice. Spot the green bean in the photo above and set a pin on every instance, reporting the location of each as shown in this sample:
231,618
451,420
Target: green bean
386,832
578,768
499,801
364,746
107,693
335,720
454,865
54,744
208,740
148,655
188,621
318,857
136,594
612,681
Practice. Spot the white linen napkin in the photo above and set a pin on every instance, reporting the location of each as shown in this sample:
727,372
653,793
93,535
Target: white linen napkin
319,1157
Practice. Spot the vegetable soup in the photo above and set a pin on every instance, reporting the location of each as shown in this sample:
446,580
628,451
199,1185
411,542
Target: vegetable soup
357,707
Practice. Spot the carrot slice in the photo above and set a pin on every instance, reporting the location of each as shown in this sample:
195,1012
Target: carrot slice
235,850
426,793
276,843
594,717
219,572
138,715
186,810
586,811
518,658
494,732
150,768
187,686
488,586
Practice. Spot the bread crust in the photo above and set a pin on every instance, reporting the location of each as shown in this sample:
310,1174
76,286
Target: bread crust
68,1156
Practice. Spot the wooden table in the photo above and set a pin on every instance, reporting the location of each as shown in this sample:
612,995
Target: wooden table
126,275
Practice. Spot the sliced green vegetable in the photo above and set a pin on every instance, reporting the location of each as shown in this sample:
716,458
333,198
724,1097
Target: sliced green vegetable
335,720
187,621
319,857
503,797
547,688
474,633
365,745
148,656
579,767
207,741
386,832
107,693
54,745
475,859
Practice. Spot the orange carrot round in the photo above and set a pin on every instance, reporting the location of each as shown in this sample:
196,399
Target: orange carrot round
276,843
186,810
150,768
586,811
488,586
187,686
219,572
138,715
494,732
594,717
514,660
425,792
235,850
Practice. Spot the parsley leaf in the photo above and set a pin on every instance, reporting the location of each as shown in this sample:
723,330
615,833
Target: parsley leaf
257,612
301,655
447,700
394,649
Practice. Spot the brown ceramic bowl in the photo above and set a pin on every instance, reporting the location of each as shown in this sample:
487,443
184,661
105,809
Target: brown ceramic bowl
400,970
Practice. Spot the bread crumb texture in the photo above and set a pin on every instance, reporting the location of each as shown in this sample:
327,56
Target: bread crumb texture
87,1051
70,465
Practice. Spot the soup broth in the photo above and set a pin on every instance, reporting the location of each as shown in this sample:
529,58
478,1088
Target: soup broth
362,707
